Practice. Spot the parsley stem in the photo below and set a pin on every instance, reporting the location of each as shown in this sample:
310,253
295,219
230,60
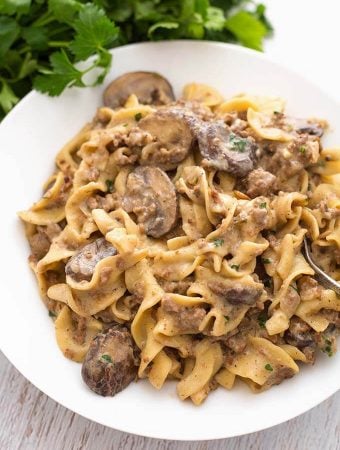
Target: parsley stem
24,49
43,20
58,44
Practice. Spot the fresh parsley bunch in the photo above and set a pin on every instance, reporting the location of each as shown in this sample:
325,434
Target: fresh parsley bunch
41,41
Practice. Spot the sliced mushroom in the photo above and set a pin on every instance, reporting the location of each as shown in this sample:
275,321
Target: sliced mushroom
150,88
237,293
110,363
152,197
81,266
225,150
300,334
303,126
172,138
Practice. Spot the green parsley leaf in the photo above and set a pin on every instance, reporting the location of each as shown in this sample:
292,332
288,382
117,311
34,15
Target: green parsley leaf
226,318
302,149
32,32
109,185
263,205
235,266
328,350
266,261
215,19
7,97
237,143
94,32
52,314
11,7
262,319
9,31
247,29
268,283
218,242
107,358
268,367
36,37
64,10
138,116
64,75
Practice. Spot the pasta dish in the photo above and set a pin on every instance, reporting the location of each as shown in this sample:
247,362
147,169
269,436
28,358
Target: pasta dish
167,244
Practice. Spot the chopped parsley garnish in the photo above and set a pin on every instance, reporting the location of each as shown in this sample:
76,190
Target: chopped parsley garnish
321,163
52,314
277,112
328,341
237,144
138,116
262,319
328,350
235,266
268,367
109,185
107,358
268,283
125,124
218,242
266,261
263,205
227,318
302,149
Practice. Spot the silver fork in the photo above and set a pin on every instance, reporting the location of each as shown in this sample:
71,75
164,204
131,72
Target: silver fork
320,275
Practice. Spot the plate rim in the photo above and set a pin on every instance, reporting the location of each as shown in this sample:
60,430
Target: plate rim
233,48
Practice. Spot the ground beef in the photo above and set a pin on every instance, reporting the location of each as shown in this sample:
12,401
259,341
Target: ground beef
177,287
108,203
186,319
332,316
279,374
302,336
260,182
237,343
41,240
288,159
328,213
309,288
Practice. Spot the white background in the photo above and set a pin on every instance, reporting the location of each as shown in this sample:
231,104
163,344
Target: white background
307,39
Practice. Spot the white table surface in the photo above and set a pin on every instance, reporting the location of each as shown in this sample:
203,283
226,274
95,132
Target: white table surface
306,39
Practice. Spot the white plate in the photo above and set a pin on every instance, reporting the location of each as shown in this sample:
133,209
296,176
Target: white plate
30,136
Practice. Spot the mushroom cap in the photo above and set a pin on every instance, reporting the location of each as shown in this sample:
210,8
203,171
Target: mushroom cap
149,87
237,293
81,265
151,195
225,150
110,363
172,138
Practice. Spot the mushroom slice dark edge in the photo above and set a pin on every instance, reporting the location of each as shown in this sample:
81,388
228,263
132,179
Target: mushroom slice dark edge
81,266
111,362
172,138
151,195
149,87
224,150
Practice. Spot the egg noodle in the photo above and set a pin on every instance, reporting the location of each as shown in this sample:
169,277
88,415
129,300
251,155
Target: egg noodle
223,292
